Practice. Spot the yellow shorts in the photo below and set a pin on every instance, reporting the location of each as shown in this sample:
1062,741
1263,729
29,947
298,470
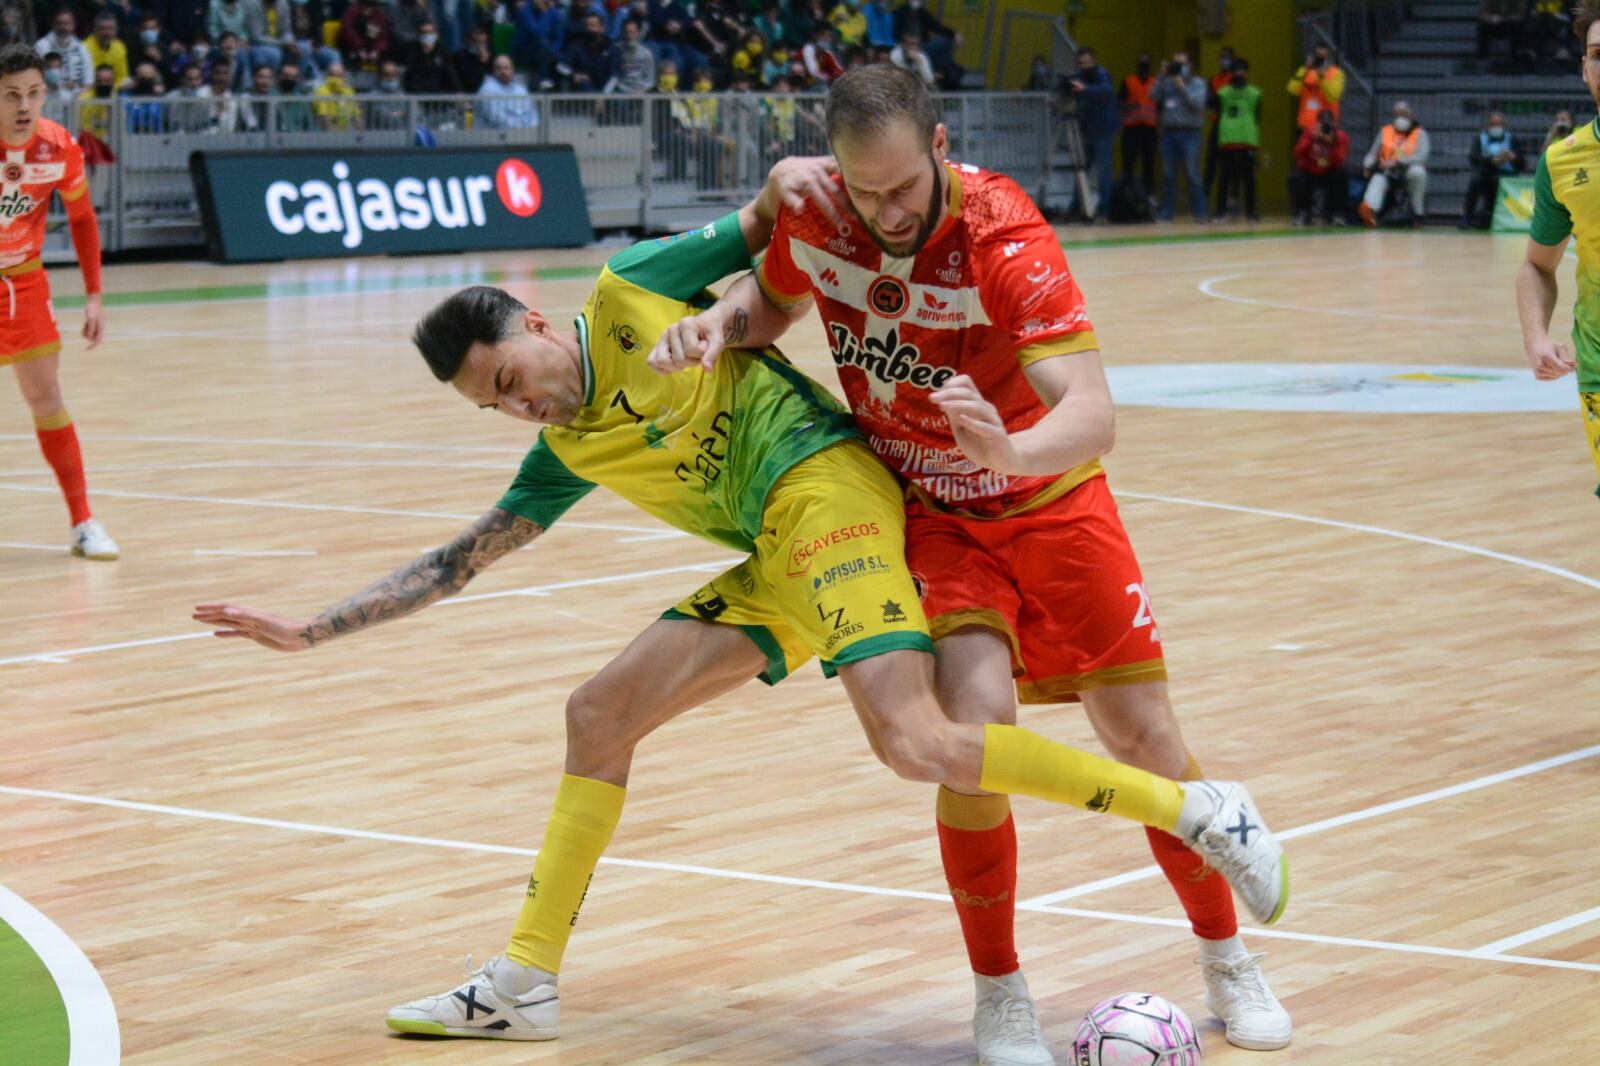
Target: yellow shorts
1591,426
828,577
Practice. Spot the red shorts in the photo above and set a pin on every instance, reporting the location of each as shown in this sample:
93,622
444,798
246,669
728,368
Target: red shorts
27,321
1061,582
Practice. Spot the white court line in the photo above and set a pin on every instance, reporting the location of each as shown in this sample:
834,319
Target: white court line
93,1037
68,654
740,875
279,442
1549,929
286,505
1381,809
1357,527
1208,287
58,548
1317,938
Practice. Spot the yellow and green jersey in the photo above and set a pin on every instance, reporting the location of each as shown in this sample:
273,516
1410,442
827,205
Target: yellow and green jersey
1566,201
698,450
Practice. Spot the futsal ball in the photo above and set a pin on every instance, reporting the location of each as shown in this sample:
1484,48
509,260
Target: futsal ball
1135,1029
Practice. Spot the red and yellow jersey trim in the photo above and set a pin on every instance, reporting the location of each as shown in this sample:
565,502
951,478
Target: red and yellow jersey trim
1082,341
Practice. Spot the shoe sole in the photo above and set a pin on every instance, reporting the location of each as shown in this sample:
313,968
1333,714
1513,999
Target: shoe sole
416,1025
1257,1045
98,556
1283,902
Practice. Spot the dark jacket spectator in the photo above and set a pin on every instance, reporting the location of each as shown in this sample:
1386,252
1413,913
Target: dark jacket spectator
364,33
1494,154
589,60
427,68
472,61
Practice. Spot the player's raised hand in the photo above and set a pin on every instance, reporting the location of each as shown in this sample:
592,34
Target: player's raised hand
265,628
1550,359
94,320
798,180
693,341
979,430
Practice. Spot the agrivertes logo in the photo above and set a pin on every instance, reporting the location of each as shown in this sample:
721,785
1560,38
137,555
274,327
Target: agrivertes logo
356,206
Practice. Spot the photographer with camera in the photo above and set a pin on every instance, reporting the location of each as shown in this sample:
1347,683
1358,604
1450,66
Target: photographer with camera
1398,153
1560,129
1180,99
1318,86
1319,157
1098,120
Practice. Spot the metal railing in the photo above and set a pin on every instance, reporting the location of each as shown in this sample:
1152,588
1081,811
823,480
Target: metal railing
646,162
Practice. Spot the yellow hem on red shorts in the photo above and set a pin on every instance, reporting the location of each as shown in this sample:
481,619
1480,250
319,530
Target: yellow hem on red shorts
38,351
950,621
26,267
1065,689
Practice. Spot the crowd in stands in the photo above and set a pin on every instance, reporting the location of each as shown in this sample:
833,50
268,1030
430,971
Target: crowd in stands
1526,36
1168,111
334,60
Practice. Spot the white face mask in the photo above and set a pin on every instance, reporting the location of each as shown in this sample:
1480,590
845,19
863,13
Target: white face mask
1402,125
429,39
1497,131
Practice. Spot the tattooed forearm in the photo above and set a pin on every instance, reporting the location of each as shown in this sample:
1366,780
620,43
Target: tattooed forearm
737,327
428,579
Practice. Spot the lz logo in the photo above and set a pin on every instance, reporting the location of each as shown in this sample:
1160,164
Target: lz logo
837,617
1141,614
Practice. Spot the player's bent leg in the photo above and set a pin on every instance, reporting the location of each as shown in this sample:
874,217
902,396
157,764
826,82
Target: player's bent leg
978,846
37,377
911,735
1137,725
669,668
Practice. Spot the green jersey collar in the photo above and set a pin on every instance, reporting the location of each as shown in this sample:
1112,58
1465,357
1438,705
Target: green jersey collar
585,360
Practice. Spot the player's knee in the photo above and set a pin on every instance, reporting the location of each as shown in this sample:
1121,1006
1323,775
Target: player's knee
592,736
914,755
42,397
1151,744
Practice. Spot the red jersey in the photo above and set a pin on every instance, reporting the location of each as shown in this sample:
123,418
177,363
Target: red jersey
50,160
988,294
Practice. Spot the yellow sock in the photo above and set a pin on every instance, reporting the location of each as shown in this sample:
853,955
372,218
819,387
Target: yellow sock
1017,760
585,815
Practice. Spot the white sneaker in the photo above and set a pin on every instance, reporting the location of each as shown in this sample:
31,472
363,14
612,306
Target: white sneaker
91,541
1237,992
1005,1025
1236,843
500,1001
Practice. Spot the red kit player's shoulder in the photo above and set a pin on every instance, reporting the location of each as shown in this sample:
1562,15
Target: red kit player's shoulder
810,225
53,133
993,206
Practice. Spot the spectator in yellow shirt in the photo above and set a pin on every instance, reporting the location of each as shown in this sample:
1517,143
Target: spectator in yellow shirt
849,21
95,118
106,49
334,102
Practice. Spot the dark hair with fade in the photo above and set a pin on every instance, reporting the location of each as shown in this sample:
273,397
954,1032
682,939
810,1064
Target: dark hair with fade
16,58
481,314
1584,16
865,101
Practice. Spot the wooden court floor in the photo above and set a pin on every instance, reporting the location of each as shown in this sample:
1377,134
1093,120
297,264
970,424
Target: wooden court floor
1388,623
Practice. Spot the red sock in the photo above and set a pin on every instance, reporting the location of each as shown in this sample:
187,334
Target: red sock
1205,894
978,842
59,442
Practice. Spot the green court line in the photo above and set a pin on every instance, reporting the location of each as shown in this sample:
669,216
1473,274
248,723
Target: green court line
33,1018
290,289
